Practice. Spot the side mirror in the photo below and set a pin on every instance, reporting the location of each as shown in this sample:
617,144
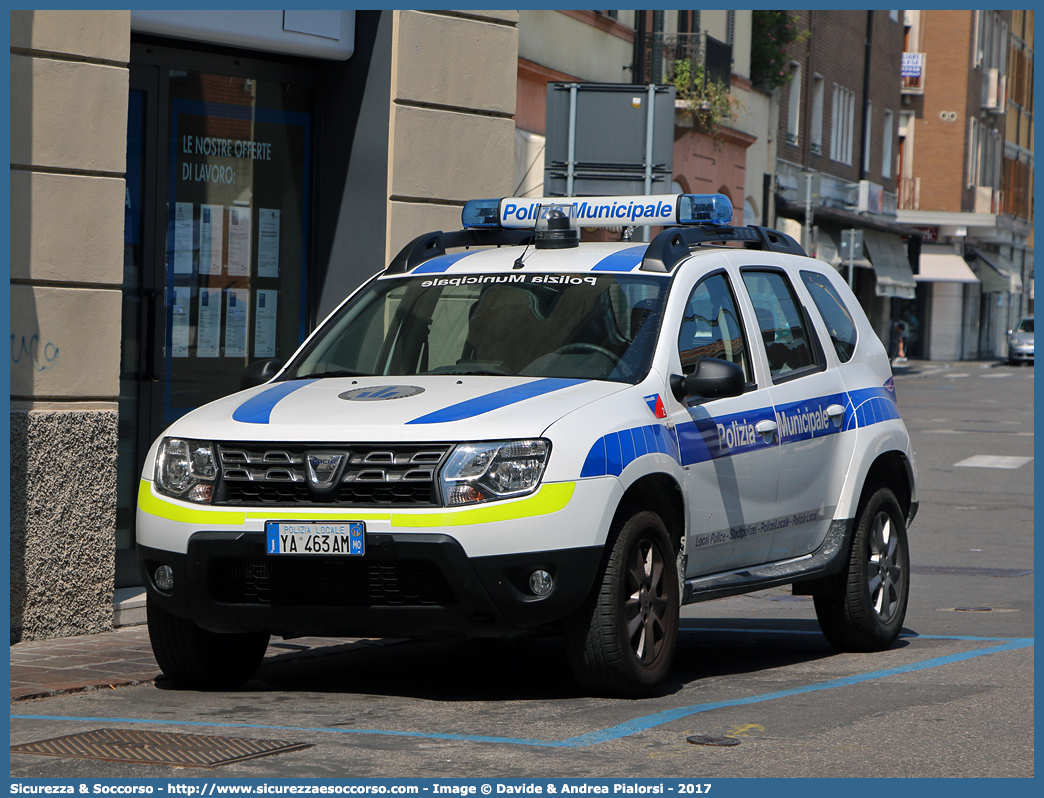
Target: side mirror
712,379
258,373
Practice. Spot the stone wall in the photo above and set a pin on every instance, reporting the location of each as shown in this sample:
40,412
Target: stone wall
63,513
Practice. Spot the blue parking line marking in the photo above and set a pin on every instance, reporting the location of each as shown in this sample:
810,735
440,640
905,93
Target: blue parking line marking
658,719
628,728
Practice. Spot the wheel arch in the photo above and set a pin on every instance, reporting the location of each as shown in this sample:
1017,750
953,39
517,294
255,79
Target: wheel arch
894,470
660,493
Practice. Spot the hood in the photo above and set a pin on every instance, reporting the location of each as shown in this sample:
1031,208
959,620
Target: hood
391,409
1022,337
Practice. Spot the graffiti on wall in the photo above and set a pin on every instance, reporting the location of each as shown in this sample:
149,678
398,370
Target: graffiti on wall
28,349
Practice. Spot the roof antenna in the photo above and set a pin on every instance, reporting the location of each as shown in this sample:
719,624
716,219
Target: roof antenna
518,261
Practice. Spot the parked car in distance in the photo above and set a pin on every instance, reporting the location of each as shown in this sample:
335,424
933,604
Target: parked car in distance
1020,341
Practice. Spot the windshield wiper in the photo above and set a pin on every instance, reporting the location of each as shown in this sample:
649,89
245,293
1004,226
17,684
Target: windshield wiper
323,374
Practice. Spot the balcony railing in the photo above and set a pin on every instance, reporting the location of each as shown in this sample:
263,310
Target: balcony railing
664,50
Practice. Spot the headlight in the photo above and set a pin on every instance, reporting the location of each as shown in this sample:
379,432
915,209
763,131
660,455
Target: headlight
186,469
482,472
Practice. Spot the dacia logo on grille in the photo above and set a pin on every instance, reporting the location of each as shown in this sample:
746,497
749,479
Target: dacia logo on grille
323,469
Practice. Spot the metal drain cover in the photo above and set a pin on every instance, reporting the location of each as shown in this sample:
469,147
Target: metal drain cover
707,739
158,748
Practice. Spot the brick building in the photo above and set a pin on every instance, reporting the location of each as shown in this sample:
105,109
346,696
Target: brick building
966,175
837,151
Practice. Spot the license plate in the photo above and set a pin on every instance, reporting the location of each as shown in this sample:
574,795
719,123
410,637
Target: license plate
327,537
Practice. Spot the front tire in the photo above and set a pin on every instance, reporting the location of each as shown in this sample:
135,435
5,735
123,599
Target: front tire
193,658
621,641
865,609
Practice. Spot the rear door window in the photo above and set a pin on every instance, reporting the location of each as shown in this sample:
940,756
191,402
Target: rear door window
783,328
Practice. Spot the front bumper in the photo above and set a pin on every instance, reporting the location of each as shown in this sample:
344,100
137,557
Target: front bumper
1020,353
406,585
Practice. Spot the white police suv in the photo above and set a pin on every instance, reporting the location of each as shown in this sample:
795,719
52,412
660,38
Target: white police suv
532,433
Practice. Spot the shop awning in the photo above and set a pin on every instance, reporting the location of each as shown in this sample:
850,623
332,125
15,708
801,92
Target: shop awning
940,264
998,273
891,265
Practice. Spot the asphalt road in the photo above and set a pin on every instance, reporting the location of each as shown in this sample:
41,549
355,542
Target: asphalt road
954,698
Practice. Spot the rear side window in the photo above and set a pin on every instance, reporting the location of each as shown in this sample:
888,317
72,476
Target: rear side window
782,325
839,322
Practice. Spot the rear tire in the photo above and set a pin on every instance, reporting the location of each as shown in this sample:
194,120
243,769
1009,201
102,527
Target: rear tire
193,658
621,641
865,609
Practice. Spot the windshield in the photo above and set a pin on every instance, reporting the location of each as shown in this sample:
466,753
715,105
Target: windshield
1026,325
531,325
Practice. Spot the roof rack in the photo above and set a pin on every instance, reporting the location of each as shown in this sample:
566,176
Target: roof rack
431,245
675,243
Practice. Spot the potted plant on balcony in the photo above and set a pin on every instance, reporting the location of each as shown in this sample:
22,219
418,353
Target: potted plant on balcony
708,101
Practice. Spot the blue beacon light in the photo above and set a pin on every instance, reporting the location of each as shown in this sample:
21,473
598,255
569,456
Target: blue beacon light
704,209
481,213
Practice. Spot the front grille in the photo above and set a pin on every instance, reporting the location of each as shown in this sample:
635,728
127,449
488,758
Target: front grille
373,475
328,582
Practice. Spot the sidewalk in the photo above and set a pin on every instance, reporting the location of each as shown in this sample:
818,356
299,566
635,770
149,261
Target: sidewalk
42,668
70,664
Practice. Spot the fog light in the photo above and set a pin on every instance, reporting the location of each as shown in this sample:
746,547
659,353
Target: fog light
201,494
540,582
164,577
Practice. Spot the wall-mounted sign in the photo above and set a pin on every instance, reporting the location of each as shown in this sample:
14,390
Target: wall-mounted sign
912,65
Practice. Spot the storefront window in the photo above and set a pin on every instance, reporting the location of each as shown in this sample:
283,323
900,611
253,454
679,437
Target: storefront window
237,231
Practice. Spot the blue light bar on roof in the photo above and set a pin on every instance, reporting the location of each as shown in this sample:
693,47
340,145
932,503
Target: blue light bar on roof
661,209
704,209
481,213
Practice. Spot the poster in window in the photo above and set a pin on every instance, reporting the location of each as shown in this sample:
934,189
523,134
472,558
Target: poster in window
236,321
265,323
211,238
267,242
239,242
208,329
179,310
183,238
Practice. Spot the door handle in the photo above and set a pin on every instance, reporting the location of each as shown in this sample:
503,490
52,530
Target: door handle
767,430
836,413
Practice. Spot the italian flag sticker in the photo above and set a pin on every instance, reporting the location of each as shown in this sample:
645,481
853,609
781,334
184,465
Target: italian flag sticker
656,405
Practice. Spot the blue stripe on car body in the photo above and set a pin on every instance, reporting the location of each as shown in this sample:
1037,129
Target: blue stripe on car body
258,408
802,421
495,400
870,406
700,440
612,453
623,261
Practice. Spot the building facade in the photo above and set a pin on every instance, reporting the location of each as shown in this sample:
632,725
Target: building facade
837,151
189,196
966,175
731,156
